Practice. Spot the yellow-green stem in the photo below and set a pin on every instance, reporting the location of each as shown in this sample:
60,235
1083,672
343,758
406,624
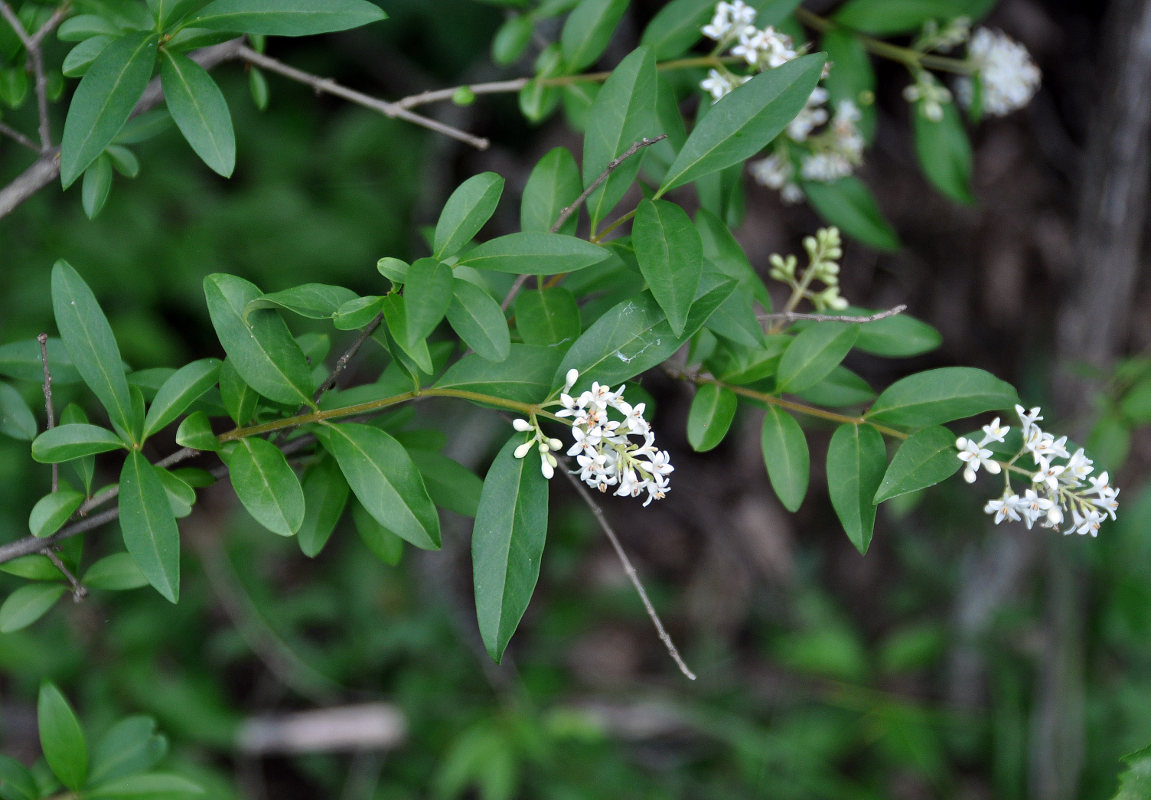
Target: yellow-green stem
913,59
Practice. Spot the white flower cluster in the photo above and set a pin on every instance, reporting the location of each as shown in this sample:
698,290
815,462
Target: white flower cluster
733,25
1057,488
605,451
826,156
1008,77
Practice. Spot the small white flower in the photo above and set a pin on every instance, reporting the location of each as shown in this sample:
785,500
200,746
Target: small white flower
1006,507
994,432
975,457
716,84
522,425
1008,77
1027,418
1033,507
1085,523
1049,474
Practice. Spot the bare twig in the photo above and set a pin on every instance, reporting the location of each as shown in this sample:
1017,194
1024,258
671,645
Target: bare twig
79,590
49,414
371,726
631,574
343,361
390,110
18,137
439,95
792,316
31,44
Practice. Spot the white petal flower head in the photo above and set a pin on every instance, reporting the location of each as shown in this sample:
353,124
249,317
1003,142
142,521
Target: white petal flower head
1008,76
716,84
1033,507
1028,418
975,457
1006,507
994,432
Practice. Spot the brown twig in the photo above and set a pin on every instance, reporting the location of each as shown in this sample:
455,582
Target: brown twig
601,518
343,361
792,316
18,137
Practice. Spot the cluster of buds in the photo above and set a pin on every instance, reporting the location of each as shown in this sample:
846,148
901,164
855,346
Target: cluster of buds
823,253
929,93
1058,488
539,441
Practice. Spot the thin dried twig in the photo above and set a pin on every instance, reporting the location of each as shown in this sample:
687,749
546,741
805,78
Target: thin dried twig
18,137
792,316
601,518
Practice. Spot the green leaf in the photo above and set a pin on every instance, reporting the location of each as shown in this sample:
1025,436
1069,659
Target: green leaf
941,395
468,208
944,152
450,484
924,459
852,78
676,27
396,322
259,347
286,17
524,376
146,786
1135,780
670,255
310,300
884,17
66,442
384,479
712,411
622,114
17,781
90,343
116,572
849,204
534,253
588,30
23,360
508,543
53,510
239,398
427,295
813,354
97,186
325,495
130,746
547,316
265,484
183,388
554,184
856,461
479,320
61,737
104,100
358,312
840,388
85,466
744,121
195,431
384,544
16,419
149,526
786,456
26,605
200,111
634,335
511,39
900,336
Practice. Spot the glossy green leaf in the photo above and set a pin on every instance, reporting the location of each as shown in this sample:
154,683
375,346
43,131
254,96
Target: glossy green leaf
200,111
415,349
23,360
588,30
80,57
61,737
924,459
850,205
311,300
465,212
1135,780
181,496
941,395
97,186
103,101
623,113
325,496
547,316
260,347
286,17
712,411
358,312
16,419
385,545
53,510
525,375
85,466
553,185
183,388
813,354
265,484
478,319
743,122
195,431
149,526
90,343
508,543
944,152
786,456
900,336
17,780
853,78
117,572
26,605
65,442
676,27
239,399
427,295
534,253
511,39
145,786
450,484
856,461
722,251
670,254
884,17
130,746
384,479
840,388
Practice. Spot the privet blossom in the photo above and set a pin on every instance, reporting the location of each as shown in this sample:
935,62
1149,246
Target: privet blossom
1062,484
1008,78
610,451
